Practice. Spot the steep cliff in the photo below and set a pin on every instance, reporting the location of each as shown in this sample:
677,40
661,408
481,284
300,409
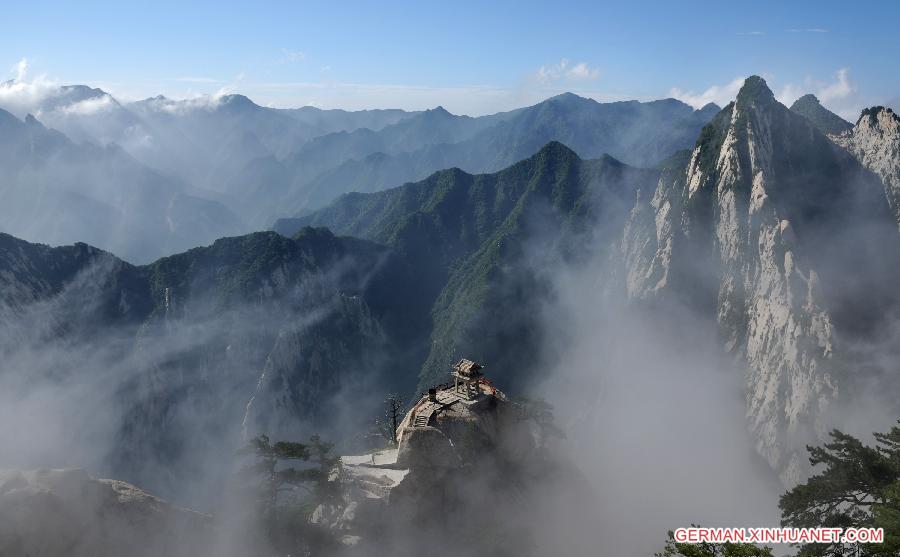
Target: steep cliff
759,228
468,476
875,142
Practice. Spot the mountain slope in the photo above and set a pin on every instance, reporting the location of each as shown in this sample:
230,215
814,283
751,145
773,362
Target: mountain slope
875,142
471,238
638,133
760,229
56,191
154,373
826,121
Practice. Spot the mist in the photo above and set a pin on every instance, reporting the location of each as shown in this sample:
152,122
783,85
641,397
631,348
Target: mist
164,400
693,326
654,415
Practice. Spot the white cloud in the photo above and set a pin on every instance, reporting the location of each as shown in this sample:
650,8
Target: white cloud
752,33
21,69
582,71
23,96
839,89
289,56
89,106
564,69
790,93
838,95
719,94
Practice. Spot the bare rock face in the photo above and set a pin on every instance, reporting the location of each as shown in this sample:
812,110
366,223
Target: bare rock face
758,228
431,488
48,513
875,142
427,447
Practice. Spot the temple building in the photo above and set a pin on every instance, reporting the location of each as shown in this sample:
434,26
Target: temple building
467,375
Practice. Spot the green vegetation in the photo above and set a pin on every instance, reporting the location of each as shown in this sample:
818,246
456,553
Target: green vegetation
675,549
859,487
470,240
285,518
638,133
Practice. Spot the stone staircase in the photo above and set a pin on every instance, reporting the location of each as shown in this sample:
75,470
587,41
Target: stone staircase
423,415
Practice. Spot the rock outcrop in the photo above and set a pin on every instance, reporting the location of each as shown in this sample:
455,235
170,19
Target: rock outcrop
66,512
875,142
455,453
759,228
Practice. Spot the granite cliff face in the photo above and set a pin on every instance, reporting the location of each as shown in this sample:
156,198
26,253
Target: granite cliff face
754,229
768,229
465,476
758,229
875,142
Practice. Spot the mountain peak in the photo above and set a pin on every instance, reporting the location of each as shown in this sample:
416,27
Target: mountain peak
439,111
709,110
237,101
808,98
555,149
828,122
569,98
876,111
755,90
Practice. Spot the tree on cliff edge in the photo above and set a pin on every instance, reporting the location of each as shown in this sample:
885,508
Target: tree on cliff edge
859,487
274,469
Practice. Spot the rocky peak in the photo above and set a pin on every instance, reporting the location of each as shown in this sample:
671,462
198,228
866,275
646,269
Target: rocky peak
453,438
881,118
875,142
806,100
440,110
740,232
709,109
826,121
755,91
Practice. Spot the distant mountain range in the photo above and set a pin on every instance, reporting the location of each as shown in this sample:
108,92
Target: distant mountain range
737,228
56,191
640,134
263,163
781,237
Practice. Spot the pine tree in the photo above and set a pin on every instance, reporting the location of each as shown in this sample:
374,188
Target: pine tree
676,549
859,487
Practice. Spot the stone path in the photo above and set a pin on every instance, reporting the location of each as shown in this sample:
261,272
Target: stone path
423,414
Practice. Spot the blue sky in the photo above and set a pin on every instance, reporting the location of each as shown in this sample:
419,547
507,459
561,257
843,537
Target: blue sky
471,57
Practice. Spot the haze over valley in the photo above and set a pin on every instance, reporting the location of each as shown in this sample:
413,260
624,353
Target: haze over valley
566,324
